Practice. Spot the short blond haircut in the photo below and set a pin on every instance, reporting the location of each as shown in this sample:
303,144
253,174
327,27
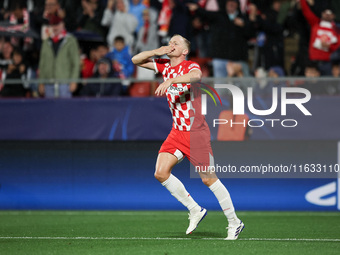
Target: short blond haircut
186,42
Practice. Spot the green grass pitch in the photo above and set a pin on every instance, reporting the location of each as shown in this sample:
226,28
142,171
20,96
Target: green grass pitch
163,232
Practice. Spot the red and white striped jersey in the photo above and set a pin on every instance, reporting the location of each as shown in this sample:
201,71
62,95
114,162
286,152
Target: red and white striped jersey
180,97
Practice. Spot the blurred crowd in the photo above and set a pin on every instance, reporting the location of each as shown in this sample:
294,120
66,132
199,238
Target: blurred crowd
61,39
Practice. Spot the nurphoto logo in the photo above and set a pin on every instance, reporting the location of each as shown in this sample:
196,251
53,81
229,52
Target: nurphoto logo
301,97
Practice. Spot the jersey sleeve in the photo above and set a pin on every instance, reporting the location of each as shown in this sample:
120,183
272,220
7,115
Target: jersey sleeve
159,64
193,66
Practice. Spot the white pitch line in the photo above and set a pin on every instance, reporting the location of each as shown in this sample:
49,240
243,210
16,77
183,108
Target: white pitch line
290,239
162,238
153,213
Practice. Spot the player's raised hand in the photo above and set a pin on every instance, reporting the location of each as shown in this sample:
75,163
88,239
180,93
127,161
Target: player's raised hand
163,50
163,87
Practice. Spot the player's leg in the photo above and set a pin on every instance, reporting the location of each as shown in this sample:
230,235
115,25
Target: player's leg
235,225
220,191
165,163
201,155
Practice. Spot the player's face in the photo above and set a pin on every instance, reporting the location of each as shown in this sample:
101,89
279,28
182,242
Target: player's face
178,47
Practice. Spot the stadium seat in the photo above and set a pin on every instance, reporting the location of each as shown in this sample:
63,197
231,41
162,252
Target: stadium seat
235,133
140,89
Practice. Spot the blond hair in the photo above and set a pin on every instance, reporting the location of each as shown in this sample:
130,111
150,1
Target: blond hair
186,42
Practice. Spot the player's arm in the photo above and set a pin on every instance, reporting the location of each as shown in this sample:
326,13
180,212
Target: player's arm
143,59
193,76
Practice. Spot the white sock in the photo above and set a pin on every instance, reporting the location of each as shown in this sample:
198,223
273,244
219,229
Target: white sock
178,190
223,197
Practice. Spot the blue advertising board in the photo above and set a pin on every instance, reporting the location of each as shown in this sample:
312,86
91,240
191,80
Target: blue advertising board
116,176
131,119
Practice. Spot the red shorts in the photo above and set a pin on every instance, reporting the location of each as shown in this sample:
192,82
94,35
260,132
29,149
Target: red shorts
192,144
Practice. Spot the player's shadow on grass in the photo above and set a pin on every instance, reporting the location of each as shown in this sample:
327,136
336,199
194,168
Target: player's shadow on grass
197,235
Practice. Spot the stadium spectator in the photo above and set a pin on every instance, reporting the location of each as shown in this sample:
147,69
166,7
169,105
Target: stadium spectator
15,70
262,5
6,50
336,74
324,37
36,16
59,59
65,9
335,6
71,14
119,21
121,58
103,71
201,35
276,71
312,70
198,28
52,8
336,69
180,18
230,31
154,4
164,20
147,39
19,14
90,17
318,6
136,8
271,49
314,84
4,12
102,50
20,19
299,25
88,62
262,85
